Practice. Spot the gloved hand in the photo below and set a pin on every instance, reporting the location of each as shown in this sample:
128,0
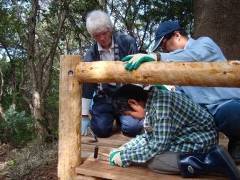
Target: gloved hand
115,158
85,125
161,87
134,61
117,149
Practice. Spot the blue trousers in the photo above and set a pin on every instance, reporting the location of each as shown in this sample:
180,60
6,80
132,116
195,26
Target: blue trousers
103,116
227,119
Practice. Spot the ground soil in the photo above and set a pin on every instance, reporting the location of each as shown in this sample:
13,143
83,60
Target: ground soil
46,172
4,149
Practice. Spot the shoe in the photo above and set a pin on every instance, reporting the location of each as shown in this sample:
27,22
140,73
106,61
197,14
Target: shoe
234,150
216,161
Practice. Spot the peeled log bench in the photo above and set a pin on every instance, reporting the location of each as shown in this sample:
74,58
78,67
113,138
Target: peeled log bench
218,74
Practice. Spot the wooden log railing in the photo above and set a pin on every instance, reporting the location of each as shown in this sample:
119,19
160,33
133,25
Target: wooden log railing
174,73
69,142
73,72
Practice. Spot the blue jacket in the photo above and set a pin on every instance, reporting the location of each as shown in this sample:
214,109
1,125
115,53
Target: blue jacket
203,49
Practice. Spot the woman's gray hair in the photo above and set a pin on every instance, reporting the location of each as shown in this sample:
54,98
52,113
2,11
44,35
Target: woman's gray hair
98,21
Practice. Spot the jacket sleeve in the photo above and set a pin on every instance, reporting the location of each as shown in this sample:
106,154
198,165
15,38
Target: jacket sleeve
159,130
89,88
202,49
144,147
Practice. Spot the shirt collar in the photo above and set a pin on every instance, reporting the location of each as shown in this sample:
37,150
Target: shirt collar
100,48
189,43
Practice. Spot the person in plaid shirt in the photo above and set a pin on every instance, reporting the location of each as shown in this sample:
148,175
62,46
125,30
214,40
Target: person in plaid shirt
175,128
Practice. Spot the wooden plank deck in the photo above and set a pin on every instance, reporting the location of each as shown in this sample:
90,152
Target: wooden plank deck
100,169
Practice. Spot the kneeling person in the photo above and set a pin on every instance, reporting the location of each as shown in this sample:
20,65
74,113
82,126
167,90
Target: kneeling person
178,133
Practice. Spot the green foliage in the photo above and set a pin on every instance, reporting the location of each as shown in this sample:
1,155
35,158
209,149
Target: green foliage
16,127
52,104
11,93
140,18
23,75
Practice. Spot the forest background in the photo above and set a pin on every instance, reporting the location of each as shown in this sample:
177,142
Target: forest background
34,33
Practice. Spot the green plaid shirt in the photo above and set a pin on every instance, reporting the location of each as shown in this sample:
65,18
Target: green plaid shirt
172,123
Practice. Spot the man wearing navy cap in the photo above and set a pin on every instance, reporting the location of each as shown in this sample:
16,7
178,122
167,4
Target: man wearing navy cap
165,31
222,103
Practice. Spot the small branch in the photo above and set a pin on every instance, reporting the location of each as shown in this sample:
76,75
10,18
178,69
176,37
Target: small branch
1,84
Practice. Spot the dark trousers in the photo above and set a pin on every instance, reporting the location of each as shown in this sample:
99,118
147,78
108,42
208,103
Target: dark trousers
216,161
103,116
227,119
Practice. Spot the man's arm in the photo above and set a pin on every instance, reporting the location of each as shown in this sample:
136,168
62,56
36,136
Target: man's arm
146,146
203,49
87,94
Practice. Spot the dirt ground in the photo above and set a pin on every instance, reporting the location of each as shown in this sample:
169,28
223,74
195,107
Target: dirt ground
46,172
43,172
4,149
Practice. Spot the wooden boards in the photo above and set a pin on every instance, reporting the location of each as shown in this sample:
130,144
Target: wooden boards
100,168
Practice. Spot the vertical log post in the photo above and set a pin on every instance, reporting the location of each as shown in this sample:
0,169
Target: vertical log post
70,92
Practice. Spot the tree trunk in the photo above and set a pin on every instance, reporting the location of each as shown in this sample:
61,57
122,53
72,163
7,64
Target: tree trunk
37,111
219,20
39,66
1,93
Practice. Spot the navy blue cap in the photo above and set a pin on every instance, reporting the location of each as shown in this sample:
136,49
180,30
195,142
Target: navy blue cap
163,29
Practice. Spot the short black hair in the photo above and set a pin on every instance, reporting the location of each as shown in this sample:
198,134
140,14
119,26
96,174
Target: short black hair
181,31
124,93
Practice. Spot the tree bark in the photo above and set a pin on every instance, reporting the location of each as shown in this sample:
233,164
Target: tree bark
1,93
39,66
219,20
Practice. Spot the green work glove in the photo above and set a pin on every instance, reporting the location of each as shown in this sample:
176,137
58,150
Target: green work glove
115,158
134,61
161,87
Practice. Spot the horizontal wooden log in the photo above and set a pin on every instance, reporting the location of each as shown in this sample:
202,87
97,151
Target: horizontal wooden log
218,74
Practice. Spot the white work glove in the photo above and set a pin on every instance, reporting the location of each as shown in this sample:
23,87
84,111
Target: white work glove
115,158
85,125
